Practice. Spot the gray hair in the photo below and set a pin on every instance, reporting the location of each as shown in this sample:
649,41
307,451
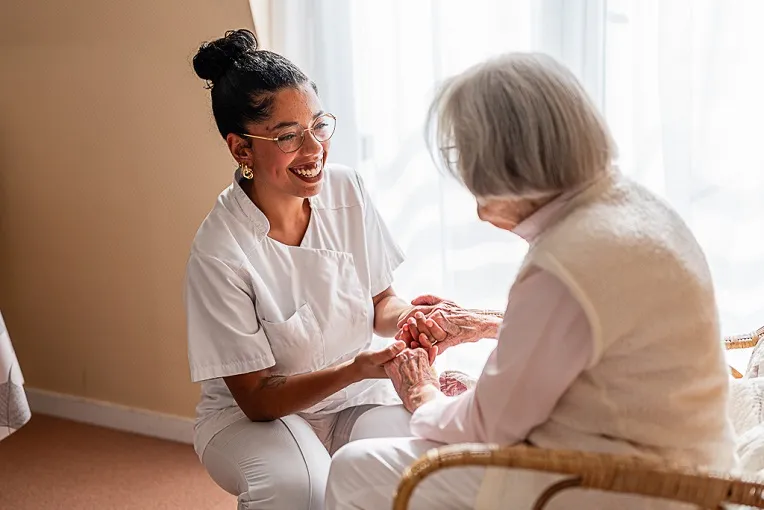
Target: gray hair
521,126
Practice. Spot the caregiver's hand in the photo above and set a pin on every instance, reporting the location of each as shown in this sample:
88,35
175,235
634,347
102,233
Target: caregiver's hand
413,378
428,334
370,364
419,331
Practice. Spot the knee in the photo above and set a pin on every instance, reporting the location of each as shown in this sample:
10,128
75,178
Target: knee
363,474
348,456
365,425
346,470
280,488
383,421
272,485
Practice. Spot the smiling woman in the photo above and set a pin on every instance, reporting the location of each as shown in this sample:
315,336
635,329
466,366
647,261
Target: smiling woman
288,278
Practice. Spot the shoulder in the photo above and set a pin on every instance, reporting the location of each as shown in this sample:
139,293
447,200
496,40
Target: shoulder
343,187
628,226
626,216
223,238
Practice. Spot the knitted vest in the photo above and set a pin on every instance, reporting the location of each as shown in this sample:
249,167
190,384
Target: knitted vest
657,384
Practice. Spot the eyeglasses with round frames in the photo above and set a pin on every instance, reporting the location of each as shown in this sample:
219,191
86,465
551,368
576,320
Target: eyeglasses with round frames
291,138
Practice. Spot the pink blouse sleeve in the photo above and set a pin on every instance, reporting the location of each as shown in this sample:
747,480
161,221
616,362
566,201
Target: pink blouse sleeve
545,342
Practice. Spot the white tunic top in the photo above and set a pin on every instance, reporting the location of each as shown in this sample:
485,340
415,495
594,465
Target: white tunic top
254,303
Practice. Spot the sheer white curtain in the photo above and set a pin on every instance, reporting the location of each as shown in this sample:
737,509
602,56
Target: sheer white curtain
678,81
683,95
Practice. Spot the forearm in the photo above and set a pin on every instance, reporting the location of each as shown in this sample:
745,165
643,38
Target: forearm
275,396
490,322
387,313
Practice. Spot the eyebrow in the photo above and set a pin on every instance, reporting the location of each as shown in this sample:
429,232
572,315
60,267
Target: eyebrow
282,125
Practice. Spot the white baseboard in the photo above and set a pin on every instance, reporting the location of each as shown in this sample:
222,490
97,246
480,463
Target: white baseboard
113,416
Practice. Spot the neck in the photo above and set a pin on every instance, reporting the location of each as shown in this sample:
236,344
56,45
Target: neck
284,212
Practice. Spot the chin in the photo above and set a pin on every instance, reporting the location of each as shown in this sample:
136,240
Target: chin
307,182
502,224
313,190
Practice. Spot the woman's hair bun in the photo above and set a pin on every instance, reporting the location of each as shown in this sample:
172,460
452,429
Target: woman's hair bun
215,58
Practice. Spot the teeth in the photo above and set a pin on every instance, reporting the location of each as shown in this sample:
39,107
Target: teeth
307,170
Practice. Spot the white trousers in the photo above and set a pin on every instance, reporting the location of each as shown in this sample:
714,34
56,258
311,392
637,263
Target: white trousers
365,473
284,464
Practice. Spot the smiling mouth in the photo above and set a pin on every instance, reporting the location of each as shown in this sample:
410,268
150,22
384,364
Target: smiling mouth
309,172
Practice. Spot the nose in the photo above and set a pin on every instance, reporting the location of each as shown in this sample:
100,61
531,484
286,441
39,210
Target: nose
311,146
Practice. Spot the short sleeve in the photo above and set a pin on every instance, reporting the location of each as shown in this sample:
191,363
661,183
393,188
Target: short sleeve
224,335
384,254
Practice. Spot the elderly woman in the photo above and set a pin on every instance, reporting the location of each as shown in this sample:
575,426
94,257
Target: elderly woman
610,339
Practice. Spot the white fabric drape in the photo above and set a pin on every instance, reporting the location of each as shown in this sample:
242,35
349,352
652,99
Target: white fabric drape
14,408
683,96
679,82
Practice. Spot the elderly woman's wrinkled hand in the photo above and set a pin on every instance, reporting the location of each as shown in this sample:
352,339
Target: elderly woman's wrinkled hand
426,304
445,327
414,379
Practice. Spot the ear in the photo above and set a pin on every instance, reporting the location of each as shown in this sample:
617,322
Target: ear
241,148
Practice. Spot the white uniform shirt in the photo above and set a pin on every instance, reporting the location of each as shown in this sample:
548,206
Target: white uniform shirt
254,303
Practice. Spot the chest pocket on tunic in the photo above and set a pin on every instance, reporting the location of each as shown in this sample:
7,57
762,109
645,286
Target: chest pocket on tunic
297,343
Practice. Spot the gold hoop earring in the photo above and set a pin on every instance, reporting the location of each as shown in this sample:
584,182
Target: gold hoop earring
246,172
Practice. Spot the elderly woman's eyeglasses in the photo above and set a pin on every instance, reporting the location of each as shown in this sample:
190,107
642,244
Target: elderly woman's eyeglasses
292,138
450,155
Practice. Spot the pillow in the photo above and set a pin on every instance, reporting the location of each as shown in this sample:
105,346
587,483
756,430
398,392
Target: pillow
746,403
746,411
750,450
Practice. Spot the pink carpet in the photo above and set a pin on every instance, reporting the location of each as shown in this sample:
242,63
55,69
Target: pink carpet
52,463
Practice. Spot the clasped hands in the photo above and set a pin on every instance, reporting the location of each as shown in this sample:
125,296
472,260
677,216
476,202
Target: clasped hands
434,324
428,328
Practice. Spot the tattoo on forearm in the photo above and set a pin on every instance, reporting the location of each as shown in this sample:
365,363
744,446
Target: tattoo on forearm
274,381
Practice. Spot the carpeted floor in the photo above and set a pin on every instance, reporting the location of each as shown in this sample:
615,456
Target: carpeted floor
57,464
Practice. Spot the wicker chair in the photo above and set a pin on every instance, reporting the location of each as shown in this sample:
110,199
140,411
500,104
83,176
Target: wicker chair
612,473
603,472
743,342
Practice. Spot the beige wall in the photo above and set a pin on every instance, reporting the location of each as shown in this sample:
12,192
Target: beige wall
109,160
